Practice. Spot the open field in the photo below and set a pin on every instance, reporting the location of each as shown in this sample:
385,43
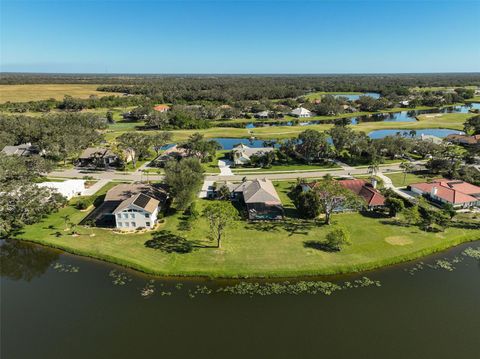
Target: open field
250,249
24,93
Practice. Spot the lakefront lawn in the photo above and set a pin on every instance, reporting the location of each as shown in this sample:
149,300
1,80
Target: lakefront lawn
266,249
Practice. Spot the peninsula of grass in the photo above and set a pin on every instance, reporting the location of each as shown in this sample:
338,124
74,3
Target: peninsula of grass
280,249
402,180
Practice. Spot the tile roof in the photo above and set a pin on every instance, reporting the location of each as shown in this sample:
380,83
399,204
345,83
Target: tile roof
161,108
96,151
362,188
452,191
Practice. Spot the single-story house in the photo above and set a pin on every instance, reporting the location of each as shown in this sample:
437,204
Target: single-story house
130,206
459,194
241,154
368,191
301,112
102,157
260,198
68,188
463,139
162,108
173,153
262,114
24,149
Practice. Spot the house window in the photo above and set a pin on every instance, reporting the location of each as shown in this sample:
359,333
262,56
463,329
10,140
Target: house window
147,224
125,215
134,224
147,215
119,216
127,224
132,215
120,224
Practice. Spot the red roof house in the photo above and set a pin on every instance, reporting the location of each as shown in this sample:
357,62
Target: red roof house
458,193
373,198
161,108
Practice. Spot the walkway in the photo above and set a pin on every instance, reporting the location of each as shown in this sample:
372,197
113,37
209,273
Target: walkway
95,187
387,182
207,184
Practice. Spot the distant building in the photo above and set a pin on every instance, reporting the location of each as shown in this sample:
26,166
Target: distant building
162,108
241,154
301,112
68,188
458,193
25,149
130,206
260,198
463,139
431,138
262,114
102,157
173,153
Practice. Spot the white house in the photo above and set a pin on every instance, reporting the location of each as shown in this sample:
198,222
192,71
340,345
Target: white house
301,112
138,211
68,189
241,154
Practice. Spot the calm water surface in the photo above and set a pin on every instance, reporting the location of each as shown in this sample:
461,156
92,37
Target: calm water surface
50,313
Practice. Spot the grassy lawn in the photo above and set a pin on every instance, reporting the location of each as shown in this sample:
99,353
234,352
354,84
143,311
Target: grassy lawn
212,166
36,92
251,249
398,178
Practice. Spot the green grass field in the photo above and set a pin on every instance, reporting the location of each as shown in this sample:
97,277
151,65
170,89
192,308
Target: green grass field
251,249
286,167
36,92
400,180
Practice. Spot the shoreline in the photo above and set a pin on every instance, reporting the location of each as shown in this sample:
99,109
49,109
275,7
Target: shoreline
285,274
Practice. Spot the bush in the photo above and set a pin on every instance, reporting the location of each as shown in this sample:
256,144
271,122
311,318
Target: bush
338,238
83,203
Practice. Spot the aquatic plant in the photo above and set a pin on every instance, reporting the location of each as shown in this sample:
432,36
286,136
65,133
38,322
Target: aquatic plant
65,268
472,253
119,278
149,289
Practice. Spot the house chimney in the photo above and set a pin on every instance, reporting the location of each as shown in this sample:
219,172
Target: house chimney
434,190
374,182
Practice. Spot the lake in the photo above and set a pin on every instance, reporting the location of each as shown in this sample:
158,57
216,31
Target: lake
438,132
401,116
351,97
56,305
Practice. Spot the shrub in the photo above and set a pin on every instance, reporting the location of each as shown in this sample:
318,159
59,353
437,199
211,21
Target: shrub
83,203
338,238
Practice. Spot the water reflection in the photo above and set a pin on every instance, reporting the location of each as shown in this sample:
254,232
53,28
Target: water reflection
24,261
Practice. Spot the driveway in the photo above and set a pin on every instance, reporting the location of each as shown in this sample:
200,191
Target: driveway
225,169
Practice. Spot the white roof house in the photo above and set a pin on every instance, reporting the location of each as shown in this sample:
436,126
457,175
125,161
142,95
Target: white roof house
301,112
68,189
241,153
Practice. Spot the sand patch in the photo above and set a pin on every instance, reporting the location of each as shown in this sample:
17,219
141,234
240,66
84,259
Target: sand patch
398,240
433,115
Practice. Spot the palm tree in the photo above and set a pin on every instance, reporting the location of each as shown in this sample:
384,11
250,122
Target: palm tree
374,166
407,167
66,220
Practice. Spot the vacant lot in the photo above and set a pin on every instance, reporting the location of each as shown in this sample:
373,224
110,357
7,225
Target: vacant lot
24,93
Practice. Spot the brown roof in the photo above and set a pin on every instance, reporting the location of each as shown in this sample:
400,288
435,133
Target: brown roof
141,200
124,191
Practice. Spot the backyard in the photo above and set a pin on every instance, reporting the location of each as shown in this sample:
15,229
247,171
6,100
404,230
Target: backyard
273,249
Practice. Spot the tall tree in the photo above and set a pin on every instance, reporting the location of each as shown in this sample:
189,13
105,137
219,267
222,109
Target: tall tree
185,178
220,215
313,145
137,144
160,139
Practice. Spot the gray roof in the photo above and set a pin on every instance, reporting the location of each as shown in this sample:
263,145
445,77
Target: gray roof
23,149
249,151
96,151
259,191
140,200
124,191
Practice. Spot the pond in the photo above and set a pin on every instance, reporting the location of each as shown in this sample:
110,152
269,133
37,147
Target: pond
351,97
56,305
438,132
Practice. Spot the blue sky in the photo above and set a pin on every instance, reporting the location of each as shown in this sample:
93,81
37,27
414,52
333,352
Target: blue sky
240,36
